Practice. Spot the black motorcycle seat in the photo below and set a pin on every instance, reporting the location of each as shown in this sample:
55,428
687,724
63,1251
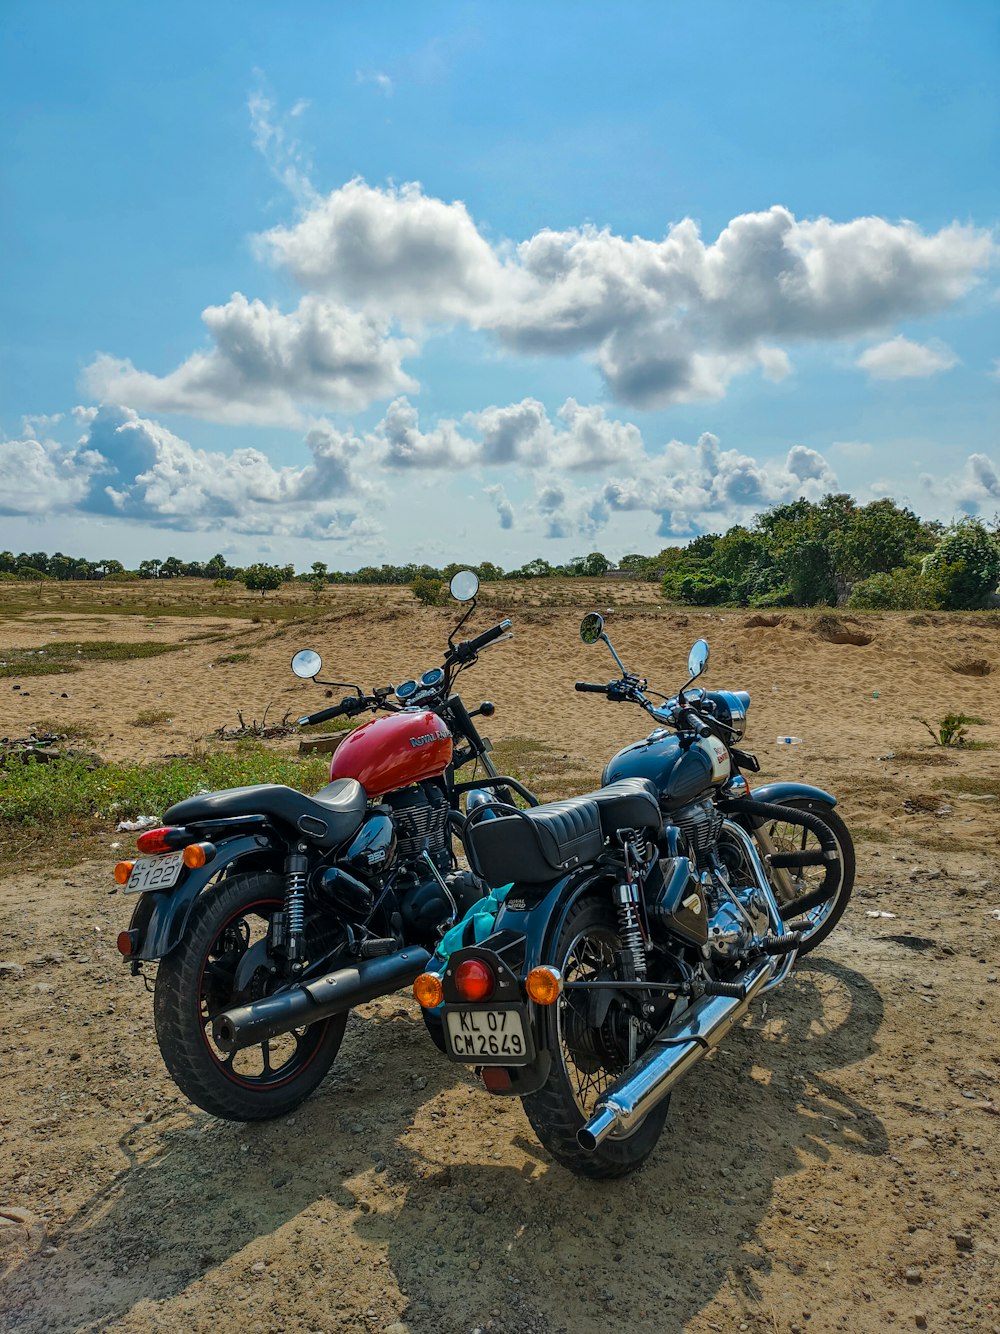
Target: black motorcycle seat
545,842
628,803
327,819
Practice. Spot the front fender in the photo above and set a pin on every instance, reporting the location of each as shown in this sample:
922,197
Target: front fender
779,792
161,918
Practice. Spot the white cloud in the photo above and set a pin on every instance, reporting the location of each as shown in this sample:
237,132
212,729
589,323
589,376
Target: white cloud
379,78
899,359
973,489
667,321
282,152
264,365
43,477
505,510
398,441
398,253
162,479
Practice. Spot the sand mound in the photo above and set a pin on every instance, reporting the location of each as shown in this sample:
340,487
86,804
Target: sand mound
835,631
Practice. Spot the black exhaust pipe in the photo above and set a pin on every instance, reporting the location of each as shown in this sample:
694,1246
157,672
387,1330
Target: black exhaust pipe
308,1002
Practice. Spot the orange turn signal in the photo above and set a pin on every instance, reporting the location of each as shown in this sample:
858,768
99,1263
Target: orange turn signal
122,872
195,856
544,985
428,990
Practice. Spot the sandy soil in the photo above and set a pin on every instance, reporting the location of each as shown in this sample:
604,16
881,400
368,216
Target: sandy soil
832,1168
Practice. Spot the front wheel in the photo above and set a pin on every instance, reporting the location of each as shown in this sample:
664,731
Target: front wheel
222,961
789,885
588,1060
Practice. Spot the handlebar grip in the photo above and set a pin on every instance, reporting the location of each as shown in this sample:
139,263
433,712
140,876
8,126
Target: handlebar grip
349,705
590,688
468,648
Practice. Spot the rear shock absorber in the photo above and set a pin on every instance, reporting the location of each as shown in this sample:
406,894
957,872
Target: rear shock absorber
627,903
296,867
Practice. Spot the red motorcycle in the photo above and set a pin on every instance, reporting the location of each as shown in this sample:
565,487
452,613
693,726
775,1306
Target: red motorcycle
271,914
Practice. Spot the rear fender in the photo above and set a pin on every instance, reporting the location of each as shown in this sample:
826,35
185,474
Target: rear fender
161,918
540,925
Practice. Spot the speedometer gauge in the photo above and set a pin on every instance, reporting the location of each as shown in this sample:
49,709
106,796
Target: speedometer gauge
405,689
434,677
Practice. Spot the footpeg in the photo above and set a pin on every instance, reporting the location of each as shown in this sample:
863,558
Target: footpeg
376,948
735,990
784,944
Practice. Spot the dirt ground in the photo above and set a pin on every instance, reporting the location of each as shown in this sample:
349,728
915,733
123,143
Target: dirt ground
833,1167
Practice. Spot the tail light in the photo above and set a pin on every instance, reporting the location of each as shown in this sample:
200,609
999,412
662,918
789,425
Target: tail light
128,943
166,839
474,980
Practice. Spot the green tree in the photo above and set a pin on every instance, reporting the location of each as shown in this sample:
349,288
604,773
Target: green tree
968,557
261,578
427,591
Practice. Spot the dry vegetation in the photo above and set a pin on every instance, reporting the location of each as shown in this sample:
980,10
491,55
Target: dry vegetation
833,1169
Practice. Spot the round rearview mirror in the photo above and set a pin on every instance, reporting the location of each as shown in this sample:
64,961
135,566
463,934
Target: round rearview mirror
697,658
591,627
464,585
307,663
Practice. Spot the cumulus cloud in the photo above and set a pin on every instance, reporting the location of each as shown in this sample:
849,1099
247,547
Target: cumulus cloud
396,252
264,366
398,441
667,320
900,359
700,486
504,509
40,476
973,489
151,475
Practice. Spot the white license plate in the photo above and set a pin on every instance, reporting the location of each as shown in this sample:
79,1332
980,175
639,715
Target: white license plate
151,873
490,1036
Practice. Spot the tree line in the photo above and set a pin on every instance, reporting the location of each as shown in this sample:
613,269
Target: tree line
804,553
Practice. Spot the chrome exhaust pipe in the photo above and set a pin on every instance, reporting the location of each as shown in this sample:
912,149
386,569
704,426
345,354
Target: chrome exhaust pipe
308,1002
674,1052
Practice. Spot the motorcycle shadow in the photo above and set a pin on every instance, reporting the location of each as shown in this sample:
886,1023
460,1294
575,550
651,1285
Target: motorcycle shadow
536,1248
196,1191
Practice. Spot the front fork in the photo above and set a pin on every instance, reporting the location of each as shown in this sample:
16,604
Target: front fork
781,966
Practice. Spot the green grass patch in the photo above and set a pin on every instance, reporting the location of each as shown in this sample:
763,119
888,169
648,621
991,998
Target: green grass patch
35,667
233,657
47,795
971,786
151,717
65,656
540,767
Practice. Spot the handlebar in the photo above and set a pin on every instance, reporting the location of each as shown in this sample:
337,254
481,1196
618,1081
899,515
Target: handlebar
468,648
348,707
591,688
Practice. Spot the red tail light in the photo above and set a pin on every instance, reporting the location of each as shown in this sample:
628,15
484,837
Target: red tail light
474,980
166,839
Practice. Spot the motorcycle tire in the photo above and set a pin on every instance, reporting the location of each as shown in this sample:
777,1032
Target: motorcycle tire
828,914
561,1106
196,981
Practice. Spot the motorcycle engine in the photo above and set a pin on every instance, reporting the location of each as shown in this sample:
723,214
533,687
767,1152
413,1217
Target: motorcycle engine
731,930
420,814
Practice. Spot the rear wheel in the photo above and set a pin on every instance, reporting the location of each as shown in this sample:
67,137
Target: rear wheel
588,1059
794,883
221,962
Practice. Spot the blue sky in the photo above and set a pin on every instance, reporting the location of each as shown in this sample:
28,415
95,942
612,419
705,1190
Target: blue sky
489,280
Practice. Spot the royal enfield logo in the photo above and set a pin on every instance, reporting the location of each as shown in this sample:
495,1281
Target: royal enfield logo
418,741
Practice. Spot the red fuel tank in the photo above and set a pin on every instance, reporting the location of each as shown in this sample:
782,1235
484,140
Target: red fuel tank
393,752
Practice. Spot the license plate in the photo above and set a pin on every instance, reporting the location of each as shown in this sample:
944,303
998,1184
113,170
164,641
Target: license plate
488,1037
151,873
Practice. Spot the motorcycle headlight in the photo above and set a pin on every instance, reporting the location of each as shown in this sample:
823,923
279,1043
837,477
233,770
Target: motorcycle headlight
731,708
